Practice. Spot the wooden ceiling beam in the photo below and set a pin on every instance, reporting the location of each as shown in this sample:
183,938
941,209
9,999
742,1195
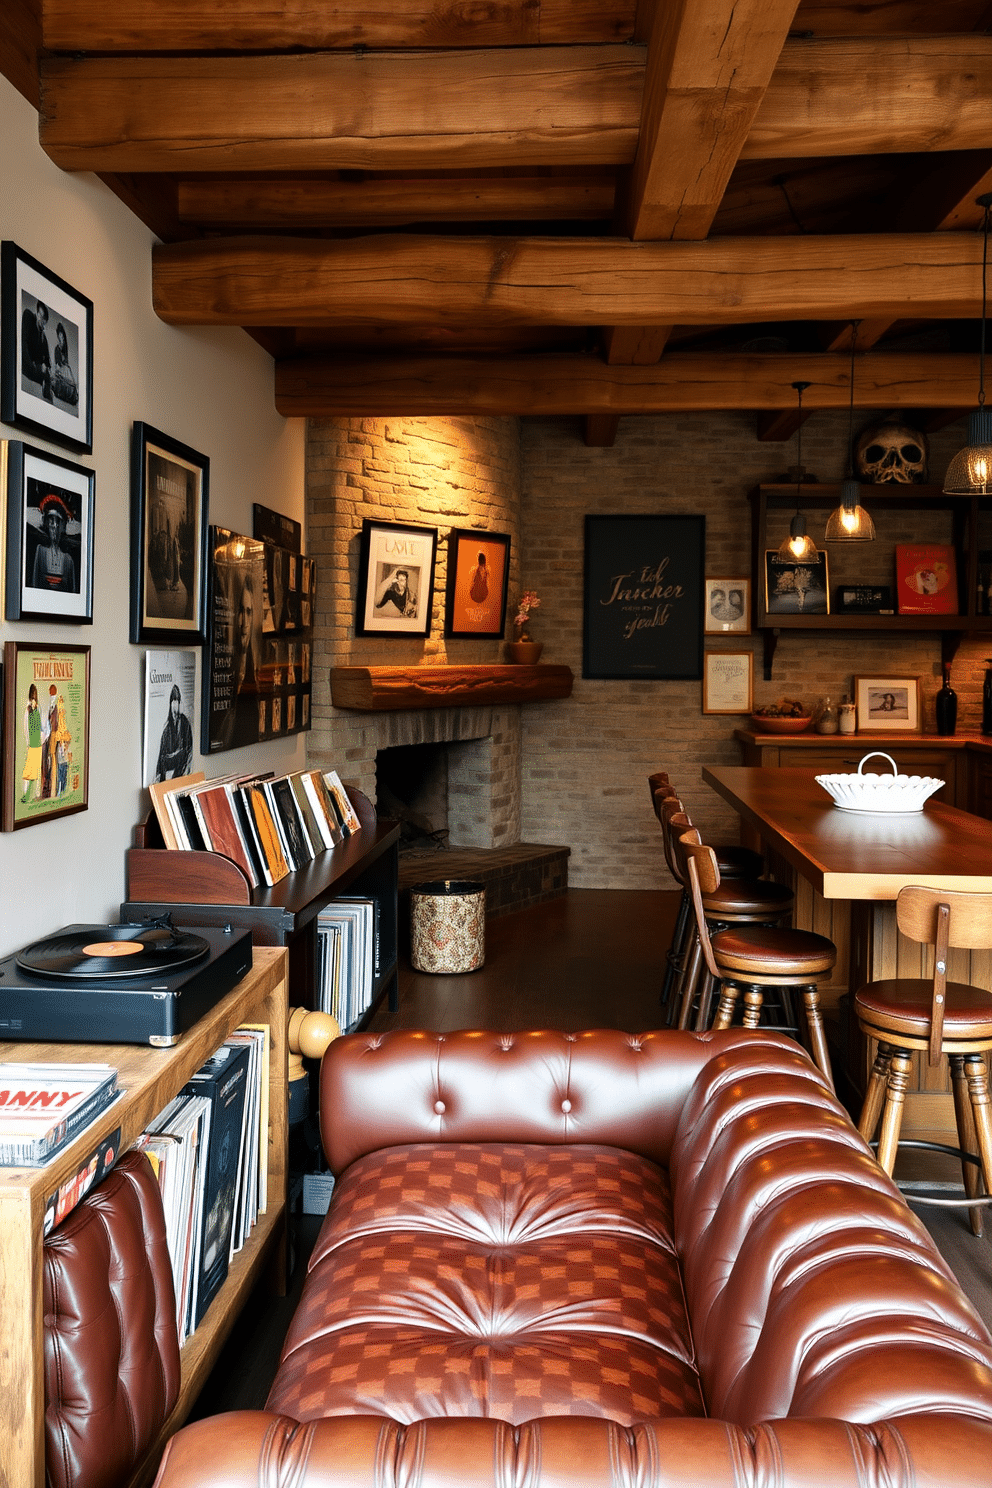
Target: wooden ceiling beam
261,26
373,387
413,279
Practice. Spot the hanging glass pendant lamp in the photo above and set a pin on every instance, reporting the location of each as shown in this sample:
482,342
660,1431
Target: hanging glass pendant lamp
849,522
798,547
970,472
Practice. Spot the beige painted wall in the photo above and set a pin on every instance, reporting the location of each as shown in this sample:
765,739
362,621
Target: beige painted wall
210,389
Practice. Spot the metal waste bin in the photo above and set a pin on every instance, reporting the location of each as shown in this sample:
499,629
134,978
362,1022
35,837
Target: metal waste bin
447,926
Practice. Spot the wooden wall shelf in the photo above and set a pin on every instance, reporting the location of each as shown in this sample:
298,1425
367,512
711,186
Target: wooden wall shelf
394,688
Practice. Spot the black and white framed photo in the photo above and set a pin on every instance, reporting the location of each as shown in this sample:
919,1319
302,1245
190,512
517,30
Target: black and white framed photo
169,502
46,352
727,607
478,575
50,509
643,596
170,715
797,588
395,579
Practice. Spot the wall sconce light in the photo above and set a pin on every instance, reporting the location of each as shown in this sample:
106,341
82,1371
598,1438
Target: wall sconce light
798,547
849,522
970,472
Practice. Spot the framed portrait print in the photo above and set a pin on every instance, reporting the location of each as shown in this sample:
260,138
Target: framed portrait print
727,606
643,596
796,588
169,501
727,681
46,352
235,705
887,704
395,579
478,574
50,510
46,732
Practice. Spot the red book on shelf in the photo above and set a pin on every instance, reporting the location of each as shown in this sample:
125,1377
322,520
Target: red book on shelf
926,579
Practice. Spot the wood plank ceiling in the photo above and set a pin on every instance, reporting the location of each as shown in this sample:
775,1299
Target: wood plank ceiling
546,206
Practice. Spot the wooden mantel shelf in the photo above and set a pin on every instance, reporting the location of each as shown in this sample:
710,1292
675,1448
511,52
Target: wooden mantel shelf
383,689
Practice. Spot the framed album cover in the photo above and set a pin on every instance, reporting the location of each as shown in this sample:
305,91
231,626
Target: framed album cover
50,510
46,352
46,732
478,575
796,588
395,579
169,500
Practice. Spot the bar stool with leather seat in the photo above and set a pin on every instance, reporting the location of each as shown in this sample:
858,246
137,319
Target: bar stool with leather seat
948,1020
757,957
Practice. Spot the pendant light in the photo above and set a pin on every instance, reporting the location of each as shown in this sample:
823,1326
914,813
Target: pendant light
970,472
849,522
798,547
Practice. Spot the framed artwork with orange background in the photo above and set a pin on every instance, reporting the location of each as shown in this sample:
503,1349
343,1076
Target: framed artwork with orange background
478,573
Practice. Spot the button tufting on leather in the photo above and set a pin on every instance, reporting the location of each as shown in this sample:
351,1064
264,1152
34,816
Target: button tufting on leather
439,1107
566,1106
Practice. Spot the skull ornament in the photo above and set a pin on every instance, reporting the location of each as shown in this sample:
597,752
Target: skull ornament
892,451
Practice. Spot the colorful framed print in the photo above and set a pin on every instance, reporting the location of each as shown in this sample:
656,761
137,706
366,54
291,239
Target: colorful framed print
796,588
727,606
643,596
46,352
46,730
728,682
169,501
50,510
478,575
395,579
888,705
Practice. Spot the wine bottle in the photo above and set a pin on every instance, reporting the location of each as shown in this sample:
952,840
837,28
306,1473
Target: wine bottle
947,706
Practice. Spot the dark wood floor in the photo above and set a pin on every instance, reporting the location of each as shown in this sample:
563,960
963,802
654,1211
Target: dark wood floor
591,959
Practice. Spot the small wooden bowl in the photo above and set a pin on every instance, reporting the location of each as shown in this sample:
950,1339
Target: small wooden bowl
762,724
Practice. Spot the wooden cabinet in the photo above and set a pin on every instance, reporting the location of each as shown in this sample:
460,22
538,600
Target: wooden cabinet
204,888
150,1078
963,521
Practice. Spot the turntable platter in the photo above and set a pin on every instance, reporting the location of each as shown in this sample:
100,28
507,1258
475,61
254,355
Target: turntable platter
113,951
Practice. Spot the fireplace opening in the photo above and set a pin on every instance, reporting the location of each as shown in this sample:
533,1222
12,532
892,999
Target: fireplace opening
411,786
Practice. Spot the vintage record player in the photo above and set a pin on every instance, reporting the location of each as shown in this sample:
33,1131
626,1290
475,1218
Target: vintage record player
141,983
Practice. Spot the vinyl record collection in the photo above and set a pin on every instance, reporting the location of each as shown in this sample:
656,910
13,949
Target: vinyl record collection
347,958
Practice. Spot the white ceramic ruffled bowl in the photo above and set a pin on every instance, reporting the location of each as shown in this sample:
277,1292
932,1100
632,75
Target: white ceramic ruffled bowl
889,793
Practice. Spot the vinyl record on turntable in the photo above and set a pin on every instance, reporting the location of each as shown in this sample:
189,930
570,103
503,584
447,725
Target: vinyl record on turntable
113,951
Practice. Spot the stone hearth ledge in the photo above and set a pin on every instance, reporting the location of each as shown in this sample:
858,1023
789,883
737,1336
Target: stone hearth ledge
381,689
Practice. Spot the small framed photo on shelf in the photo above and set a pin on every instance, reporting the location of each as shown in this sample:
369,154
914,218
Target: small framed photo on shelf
796,588
864,599
50,507
169,574
395,579
887,704
46,732
46,352
728,681
726,606
478,574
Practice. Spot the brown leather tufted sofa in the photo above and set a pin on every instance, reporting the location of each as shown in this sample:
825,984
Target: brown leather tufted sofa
594,1260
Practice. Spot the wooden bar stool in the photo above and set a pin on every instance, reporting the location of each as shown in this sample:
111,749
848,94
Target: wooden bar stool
951,1020
758,957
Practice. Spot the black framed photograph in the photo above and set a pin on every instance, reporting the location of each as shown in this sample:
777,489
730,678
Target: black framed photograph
50,511
796,588
169,505
643,597
395,579
233,709
478,575
46,732
272,526
46,352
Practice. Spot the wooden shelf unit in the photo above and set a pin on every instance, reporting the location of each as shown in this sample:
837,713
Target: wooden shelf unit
150,1079
205,888
821,499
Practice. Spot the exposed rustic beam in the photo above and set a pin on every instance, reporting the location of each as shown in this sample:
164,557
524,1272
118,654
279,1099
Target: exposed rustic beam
636,346
776,425
20,38
600,430
306,204
555,385
255,25
329,111
709,63
410,279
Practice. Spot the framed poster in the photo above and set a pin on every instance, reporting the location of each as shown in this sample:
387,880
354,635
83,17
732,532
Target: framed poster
46,732
271,526
169,493
233,711
395,579
46,352
796,588
478,575
727,682
887,704
727,607
643,596
170,721
50,509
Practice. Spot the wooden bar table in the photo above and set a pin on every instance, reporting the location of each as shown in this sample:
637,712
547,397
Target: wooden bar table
846,868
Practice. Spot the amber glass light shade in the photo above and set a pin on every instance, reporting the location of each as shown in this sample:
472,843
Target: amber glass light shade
849,522
798,547
970,472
